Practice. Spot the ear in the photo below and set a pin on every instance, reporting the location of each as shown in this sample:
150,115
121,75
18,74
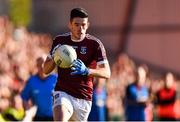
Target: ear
88,24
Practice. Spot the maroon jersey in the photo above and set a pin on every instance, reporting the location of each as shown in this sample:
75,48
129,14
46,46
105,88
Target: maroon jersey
91,51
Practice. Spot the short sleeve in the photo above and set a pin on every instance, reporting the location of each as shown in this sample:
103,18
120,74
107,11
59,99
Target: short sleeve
25,94
100,54
54,44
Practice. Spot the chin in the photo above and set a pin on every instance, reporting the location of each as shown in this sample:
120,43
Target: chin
80,36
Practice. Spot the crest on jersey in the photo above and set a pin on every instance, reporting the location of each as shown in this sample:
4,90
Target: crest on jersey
56,96
83,50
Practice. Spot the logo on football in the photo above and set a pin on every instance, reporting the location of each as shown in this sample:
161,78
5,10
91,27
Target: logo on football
64,56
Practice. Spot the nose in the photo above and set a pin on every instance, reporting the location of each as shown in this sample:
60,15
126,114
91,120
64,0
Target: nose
81,27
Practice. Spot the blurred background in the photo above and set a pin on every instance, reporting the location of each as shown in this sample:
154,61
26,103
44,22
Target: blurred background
134,32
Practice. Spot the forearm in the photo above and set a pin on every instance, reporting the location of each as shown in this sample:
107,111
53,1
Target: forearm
49,66
134,102
26,105
102,71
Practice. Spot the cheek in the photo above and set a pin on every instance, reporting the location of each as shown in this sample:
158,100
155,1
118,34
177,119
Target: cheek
74,29
86,27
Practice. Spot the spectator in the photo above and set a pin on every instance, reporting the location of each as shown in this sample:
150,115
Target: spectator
137,97
18,82
15,111
5,94
38,89
98,110
122,75
166,98
18,49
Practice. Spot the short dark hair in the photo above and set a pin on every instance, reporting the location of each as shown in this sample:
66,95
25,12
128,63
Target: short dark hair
78,12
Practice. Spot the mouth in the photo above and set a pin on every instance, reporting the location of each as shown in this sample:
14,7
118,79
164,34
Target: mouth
80,33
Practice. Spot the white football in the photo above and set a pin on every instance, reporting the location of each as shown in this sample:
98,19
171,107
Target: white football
64,56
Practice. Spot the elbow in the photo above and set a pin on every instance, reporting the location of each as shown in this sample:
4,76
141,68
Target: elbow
45,72
108,72
48,67
108,75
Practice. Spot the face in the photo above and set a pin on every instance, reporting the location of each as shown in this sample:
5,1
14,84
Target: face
142,75
78,27
169,80
39,63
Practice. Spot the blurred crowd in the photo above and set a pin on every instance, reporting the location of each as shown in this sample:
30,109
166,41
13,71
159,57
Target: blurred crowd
131,86
19,50
161,101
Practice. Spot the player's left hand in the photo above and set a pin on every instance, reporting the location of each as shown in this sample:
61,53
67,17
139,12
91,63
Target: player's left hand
79,68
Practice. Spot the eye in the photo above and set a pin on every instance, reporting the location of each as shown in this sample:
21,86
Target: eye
76,24
83,25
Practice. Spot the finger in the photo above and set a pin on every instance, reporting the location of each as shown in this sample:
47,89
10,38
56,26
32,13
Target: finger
74,73
79,60
73,68
76,64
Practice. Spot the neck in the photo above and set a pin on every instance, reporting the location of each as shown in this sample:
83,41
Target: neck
77,40
41,75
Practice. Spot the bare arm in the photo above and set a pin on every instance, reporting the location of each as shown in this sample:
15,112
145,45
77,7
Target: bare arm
26,105
133,102
103,71
49,65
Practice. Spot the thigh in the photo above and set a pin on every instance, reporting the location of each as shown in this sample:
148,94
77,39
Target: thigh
82,109
62,107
